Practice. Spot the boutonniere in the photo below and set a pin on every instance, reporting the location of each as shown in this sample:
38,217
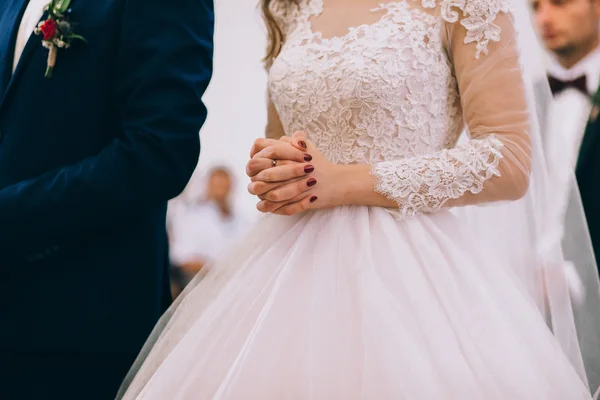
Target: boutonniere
56,31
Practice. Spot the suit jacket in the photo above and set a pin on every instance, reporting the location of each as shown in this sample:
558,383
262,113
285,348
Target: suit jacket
88,161
588,180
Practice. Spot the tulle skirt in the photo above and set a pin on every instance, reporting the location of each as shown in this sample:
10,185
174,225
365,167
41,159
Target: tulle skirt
351,303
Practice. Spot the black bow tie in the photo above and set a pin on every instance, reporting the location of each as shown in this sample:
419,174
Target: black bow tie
557,86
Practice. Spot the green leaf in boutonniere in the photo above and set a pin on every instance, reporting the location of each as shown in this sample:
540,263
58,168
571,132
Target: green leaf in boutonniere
79,37
56,31
58,7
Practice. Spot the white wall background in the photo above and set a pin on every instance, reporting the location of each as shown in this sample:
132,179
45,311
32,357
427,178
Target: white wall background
236,97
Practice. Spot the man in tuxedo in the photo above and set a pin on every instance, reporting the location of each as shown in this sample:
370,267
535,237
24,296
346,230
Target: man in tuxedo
570,30
89,158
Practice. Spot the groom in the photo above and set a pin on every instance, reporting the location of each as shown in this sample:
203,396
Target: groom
94,139
571,34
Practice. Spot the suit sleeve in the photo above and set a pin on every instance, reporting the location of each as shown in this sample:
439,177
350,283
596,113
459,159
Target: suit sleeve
165,64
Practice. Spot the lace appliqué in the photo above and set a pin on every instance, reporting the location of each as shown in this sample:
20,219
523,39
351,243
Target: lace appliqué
423,184
479,19
385,94
383,91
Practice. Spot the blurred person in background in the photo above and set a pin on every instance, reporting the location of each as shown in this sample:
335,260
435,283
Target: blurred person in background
570,31
201,225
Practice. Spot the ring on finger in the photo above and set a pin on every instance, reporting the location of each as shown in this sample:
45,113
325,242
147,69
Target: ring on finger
273,163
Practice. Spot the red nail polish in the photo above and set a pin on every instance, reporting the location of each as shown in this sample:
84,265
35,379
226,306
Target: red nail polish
302,143
311,182
308,169
307,157
313,199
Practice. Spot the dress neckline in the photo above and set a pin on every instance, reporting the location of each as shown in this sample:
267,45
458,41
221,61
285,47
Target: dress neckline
315,9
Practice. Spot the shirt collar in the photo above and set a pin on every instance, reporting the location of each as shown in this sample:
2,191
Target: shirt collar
588,66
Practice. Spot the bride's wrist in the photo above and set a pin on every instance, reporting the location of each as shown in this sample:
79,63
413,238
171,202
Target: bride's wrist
352,184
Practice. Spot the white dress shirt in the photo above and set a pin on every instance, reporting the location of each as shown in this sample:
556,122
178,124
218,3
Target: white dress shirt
32,16
570,109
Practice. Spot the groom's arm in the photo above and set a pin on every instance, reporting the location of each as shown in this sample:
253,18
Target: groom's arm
164,64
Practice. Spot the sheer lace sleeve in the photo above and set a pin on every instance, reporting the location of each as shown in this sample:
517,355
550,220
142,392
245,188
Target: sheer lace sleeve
494,165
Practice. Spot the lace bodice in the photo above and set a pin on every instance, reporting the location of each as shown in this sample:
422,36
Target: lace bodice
391,93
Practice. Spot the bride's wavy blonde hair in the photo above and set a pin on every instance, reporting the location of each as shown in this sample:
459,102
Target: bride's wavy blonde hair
275,32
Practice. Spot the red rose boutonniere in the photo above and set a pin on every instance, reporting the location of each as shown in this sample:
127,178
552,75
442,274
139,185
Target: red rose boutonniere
56,31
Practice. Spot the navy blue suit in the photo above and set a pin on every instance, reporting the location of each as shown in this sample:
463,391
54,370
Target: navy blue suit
88,160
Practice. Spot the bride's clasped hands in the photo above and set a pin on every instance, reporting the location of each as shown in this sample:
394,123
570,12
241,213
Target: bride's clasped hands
291,175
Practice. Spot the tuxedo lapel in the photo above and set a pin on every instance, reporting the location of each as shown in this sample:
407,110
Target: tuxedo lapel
591,137
590,142
10,20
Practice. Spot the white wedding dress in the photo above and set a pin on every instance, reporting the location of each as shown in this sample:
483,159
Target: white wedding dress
363,302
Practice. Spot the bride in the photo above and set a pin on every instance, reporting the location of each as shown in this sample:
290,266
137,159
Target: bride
369,284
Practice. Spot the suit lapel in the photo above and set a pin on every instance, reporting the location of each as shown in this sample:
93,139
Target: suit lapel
10,20
588,144
590,137
32,44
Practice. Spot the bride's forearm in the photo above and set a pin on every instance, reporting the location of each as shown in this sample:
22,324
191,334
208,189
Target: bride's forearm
355,185
458,177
